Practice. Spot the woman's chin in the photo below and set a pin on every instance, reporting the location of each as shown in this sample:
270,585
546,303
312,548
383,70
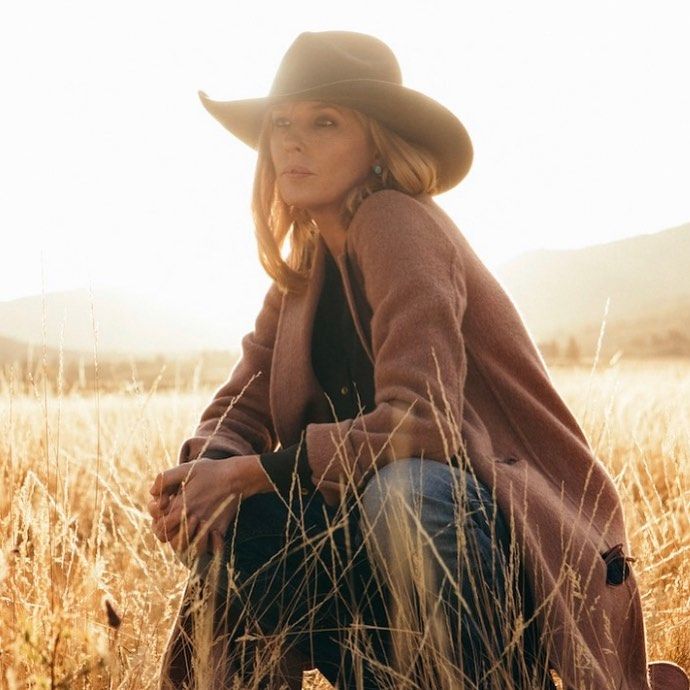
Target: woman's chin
297,203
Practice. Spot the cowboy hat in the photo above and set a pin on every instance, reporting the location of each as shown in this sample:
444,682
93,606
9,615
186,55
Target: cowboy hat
360,72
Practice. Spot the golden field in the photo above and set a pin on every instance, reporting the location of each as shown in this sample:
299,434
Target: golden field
74,530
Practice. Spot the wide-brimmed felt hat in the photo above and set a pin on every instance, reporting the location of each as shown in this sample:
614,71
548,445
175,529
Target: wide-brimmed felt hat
360,72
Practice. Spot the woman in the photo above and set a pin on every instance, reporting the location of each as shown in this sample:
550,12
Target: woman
426,468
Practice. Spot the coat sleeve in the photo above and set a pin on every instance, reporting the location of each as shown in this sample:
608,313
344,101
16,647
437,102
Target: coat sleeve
238,419
414,281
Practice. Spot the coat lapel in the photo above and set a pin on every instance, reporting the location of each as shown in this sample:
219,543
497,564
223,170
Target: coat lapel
296,395
357,310
293,381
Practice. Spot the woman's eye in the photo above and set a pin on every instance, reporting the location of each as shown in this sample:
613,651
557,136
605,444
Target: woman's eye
281,122
325,122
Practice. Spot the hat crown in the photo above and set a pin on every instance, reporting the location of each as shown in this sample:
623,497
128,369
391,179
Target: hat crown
360,72
318,58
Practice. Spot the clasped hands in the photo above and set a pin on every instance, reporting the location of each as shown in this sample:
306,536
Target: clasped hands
193,504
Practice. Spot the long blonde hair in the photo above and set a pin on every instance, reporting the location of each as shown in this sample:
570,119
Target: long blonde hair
407,167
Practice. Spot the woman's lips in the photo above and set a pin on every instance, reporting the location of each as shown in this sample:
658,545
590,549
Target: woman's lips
297,171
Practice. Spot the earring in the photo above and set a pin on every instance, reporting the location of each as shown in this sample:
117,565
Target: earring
377,169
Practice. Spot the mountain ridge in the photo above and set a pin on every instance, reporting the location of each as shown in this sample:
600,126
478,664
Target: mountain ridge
560,293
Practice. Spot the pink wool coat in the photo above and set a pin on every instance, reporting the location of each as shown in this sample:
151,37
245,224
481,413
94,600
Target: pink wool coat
445,337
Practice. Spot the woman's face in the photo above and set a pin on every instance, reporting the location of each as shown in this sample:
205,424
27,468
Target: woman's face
319,152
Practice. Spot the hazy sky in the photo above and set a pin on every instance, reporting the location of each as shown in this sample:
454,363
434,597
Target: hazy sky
114,174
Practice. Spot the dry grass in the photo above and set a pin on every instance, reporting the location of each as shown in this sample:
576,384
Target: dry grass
74,531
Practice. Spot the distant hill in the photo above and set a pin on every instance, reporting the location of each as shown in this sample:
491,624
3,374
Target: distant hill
73,370
563,293
127,324
12,350
139,344
560,293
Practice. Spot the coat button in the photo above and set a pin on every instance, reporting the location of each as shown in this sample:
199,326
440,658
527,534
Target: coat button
345,390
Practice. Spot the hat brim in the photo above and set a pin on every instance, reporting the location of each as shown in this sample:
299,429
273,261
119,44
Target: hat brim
411,114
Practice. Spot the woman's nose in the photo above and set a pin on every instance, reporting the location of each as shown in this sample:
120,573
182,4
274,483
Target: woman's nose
292,139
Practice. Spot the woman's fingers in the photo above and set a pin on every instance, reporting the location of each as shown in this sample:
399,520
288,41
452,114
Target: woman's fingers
158,507
181,541
179,505
168,524
161,532
171,522
194,533
212,497
167,482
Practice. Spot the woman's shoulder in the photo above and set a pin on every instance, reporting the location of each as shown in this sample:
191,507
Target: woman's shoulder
393,220
388,203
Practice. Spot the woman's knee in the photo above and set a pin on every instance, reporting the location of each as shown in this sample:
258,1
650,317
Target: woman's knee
411,480
407,501
432,500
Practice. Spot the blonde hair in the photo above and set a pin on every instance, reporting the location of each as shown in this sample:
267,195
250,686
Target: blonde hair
407,167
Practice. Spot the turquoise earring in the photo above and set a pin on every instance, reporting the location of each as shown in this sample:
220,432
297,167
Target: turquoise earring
377,169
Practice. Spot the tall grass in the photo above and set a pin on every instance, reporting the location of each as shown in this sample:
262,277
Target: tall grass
88,595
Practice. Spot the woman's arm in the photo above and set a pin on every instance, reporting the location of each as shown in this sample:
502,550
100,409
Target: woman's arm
414,281
287,469
205,509
238,420
198,499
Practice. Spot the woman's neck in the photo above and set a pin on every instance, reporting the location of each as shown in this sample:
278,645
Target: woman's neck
333,231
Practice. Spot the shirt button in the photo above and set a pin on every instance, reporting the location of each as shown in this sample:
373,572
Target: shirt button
344,390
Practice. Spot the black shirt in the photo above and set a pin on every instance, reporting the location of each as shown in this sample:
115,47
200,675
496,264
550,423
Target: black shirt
344,371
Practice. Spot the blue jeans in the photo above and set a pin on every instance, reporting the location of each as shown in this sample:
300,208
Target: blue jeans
394,557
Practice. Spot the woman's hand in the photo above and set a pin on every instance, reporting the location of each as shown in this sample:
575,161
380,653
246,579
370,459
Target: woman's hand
194,503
